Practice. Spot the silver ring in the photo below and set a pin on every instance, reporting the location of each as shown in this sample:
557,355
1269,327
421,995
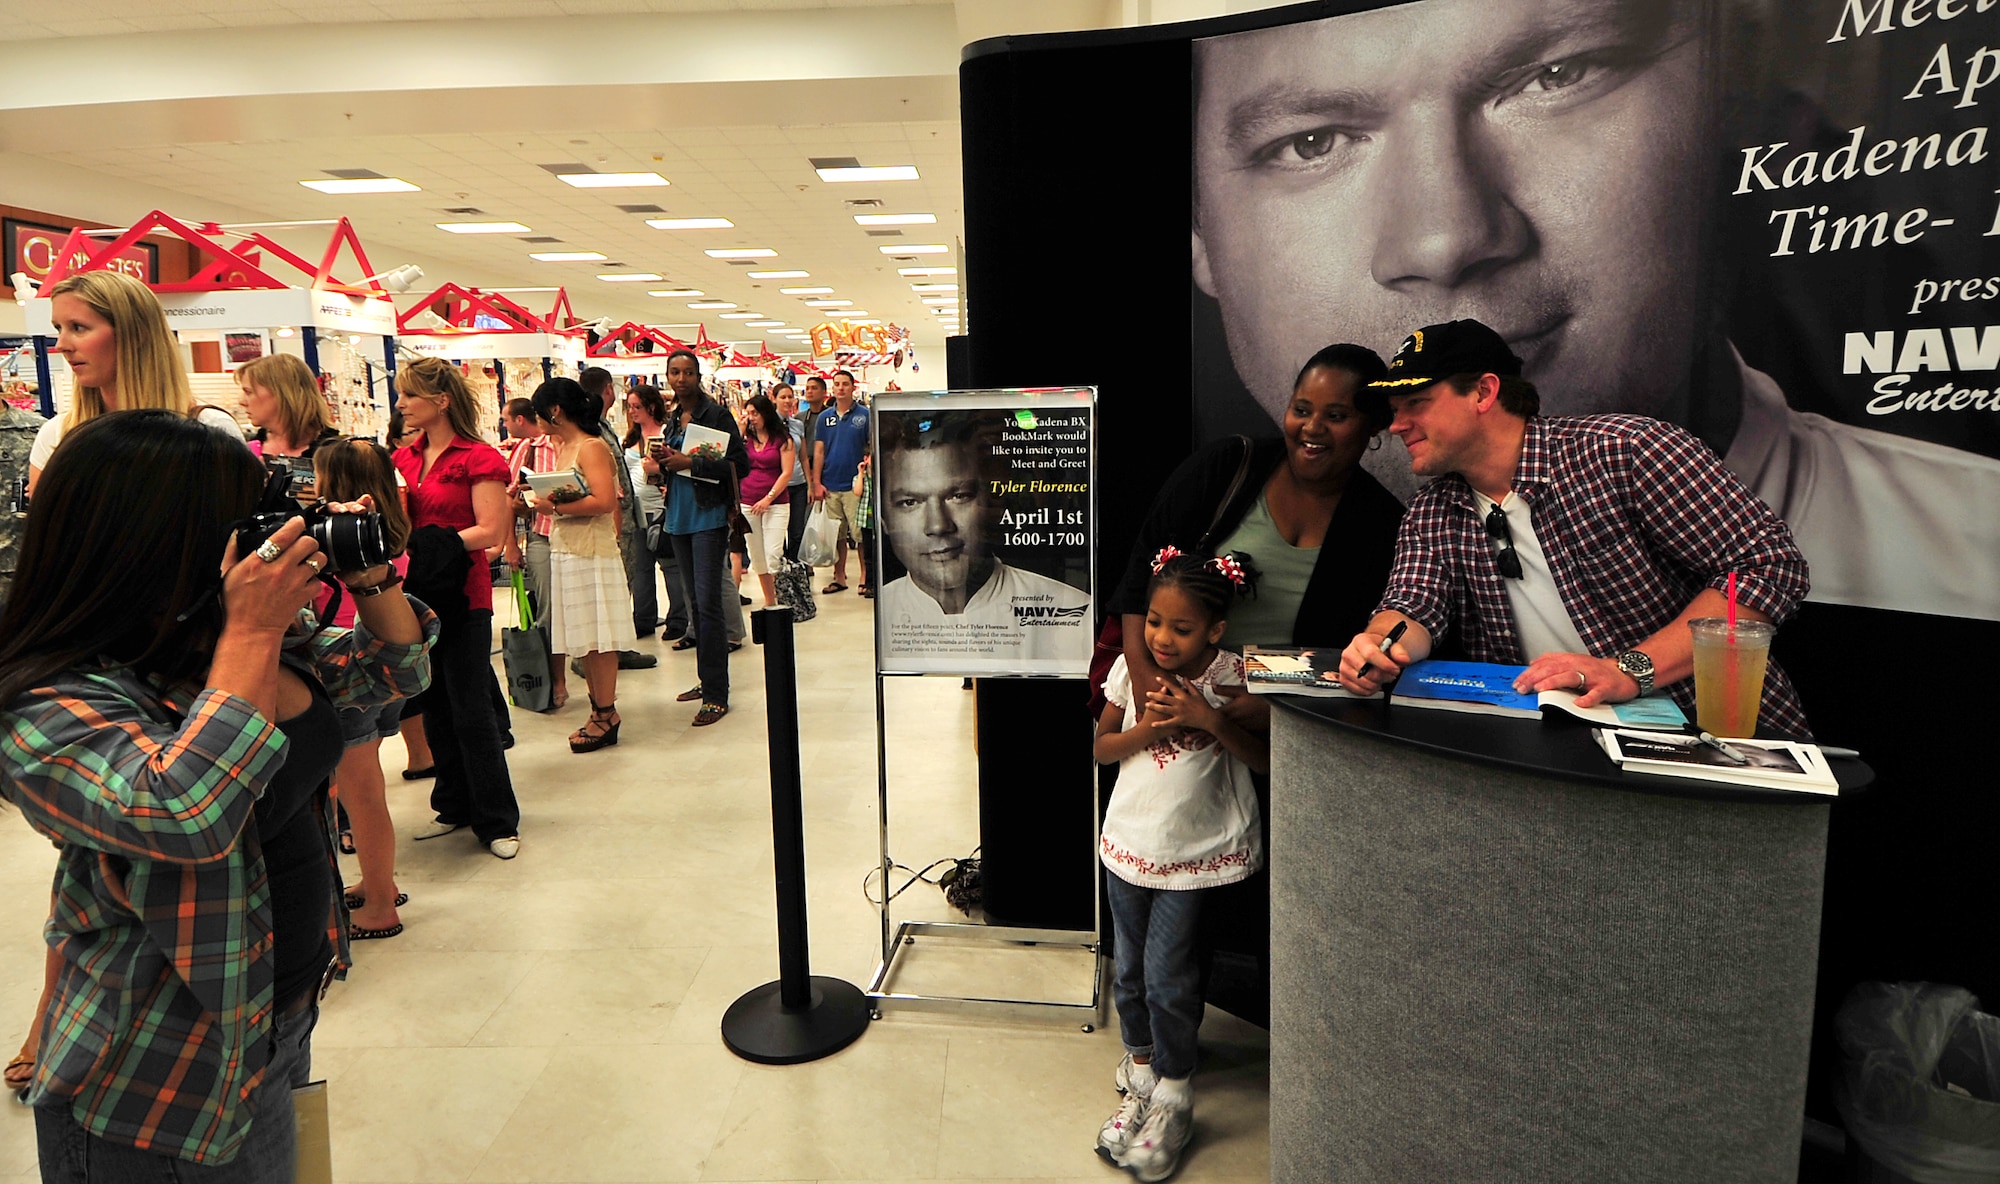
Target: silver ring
1581,681
270,551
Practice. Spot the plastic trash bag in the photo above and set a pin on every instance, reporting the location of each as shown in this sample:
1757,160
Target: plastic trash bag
818,546
1921,1085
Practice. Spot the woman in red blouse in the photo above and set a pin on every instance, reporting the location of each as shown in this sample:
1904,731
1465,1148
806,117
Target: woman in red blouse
458,481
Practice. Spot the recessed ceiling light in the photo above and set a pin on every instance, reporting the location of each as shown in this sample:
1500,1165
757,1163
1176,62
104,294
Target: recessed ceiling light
864,321
611,180
690,223
740,316
567,256
933,287
940,300
778,275
829,303
927,271
705,304
632,277
740,253
894,172
805,291
765,325
485,227
549,289
678,292
895,219
917,249
350,185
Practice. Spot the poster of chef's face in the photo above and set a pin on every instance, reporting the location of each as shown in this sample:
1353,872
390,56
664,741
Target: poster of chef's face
984,523
1773,222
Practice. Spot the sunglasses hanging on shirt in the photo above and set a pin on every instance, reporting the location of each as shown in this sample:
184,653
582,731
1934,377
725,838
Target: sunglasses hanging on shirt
1508,558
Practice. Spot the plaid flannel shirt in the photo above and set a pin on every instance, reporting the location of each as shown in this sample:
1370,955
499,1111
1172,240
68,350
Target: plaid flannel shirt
1636,516
161,1023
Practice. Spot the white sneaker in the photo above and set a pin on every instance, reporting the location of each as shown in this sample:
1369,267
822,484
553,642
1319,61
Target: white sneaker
506,848
1115,1137
1155,1150
434,829
1131,1074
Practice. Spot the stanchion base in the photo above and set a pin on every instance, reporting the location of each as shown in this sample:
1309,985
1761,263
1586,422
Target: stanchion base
757,1027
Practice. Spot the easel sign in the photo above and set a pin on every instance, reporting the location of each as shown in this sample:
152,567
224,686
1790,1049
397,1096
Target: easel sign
985,524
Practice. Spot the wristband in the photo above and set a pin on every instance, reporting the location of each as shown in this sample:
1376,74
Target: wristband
376,589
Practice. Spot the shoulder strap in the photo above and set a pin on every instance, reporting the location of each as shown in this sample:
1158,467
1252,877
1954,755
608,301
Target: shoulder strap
1229,495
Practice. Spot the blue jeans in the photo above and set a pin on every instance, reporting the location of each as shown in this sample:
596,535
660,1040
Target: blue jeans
1157,980
269,1153
706,584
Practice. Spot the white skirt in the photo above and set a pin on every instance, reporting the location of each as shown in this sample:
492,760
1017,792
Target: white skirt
591,611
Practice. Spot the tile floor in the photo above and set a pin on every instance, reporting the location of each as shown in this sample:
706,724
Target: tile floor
555,1018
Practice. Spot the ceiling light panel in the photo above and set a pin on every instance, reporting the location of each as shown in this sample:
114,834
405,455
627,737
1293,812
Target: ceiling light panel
631,277
568,256
485,227
895,219
807,291
740,253
915,249
829,303
765,325
740,316
778,275
347,187
708,304
677,292
927,271
894,172
690,223
612,180
933,287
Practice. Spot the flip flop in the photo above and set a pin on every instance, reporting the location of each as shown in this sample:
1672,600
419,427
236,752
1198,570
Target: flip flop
685,643
357,933
830,589
420,774
347,842
709,713
19,1081
355,900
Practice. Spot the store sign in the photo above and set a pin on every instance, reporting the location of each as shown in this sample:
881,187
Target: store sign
31,248
276,307
985,521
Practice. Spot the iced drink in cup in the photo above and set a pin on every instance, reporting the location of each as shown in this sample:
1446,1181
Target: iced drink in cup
1729,666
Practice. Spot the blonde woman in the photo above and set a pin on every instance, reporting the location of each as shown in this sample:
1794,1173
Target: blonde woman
458,481
111,331
281,396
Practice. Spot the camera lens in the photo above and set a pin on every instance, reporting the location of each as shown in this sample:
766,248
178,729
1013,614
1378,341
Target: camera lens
351,541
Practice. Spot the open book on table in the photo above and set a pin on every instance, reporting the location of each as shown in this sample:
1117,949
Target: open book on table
1487,688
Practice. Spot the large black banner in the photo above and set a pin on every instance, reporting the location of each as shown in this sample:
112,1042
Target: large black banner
1776,222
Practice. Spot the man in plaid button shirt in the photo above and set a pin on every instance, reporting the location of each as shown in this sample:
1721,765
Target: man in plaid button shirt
1579,546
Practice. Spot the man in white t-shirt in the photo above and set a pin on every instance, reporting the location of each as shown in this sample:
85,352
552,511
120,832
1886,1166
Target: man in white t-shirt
939,519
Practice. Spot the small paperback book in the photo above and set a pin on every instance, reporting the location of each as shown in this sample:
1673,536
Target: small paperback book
547,483
1288,670
1774,764
1486,688
706,443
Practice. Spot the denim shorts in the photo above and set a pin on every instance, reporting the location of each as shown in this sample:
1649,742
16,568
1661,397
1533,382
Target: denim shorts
359,725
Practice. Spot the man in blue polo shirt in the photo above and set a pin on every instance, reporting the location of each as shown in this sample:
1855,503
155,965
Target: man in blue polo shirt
840,455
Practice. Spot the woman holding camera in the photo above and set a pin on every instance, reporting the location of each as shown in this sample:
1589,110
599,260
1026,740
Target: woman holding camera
168,718
590,613
457,485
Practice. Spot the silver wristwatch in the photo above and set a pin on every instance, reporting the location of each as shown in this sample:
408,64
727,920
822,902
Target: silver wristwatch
1639,667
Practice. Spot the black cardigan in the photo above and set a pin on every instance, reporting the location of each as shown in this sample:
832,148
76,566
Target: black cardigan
1354,559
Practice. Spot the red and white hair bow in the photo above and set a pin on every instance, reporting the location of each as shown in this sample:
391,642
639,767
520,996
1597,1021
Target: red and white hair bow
1167,554
1228,569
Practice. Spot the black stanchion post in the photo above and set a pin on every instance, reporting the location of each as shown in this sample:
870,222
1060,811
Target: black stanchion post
801,1016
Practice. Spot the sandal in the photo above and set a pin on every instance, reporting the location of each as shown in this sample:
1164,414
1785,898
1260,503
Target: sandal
734,646
685,643
605,718
346,842
709,713
420,774
689,695
357,933
357,898
21,1073
830,589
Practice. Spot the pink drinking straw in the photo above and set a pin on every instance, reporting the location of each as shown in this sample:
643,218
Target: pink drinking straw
1732,604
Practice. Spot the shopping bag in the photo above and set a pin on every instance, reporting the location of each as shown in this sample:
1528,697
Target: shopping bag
525,653
794,582
315,1137
817,548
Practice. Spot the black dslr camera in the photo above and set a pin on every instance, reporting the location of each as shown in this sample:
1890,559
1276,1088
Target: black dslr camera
350,542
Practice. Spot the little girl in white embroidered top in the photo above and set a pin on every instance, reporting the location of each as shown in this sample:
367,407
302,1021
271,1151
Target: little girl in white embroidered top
1183,821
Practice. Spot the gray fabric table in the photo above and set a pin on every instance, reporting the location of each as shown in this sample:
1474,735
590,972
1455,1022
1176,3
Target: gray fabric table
1495,957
